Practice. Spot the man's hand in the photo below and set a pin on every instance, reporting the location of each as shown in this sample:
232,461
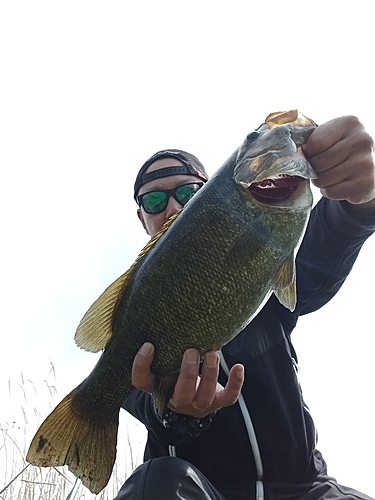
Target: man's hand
341,153
195,395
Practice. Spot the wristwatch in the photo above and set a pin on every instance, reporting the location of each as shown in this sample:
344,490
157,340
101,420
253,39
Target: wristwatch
184,425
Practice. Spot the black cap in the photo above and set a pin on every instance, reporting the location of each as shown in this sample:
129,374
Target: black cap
191,166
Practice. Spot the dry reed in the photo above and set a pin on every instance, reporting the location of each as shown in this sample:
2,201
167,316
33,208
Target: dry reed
20,481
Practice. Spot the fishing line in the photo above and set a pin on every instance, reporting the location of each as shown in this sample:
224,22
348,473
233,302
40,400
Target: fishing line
251,434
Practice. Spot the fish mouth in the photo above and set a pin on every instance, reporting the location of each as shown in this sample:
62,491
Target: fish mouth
275,189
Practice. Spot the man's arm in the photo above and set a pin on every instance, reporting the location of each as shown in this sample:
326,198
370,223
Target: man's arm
341,152
334,237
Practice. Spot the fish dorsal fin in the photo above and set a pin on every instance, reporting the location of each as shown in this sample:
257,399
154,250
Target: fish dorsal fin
95,328
284,284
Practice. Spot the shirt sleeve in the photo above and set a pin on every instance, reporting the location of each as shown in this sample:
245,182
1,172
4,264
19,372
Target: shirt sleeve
141,405
334,236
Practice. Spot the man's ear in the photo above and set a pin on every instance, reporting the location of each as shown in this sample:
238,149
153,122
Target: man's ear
140,217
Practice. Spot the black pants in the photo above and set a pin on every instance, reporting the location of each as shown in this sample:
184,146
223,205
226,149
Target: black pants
169,478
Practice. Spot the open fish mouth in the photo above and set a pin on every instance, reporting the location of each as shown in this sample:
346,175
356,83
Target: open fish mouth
275,189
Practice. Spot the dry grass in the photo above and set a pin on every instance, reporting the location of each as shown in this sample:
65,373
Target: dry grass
19,480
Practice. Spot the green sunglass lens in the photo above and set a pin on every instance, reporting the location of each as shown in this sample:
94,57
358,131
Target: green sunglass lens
186,192
155,202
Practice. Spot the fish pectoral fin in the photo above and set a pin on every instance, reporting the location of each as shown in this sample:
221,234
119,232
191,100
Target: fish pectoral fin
287,296
95,328
86,445
284,284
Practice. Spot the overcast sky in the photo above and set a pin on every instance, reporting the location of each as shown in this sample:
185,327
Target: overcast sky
88,91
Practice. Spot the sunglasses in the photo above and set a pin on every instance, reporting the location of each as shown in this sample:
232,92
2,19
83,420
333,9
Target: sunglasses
155,202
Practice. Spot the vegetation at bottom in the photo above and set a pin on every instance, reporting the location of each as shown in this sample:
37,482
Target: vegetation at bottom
27,406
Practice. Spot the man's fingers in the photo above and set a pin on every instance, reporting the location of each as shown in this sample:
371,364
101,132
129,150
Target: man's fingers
141,371
328,134
229,395
184,391
330,158
341,153
206,390
197,394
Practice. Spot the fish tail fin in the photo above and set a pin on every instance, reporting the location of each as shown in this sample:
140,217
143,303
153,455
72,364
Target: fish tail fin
87,445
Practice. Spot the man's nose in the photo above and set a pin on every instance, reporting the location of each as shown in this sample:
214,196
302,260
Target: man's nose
172,207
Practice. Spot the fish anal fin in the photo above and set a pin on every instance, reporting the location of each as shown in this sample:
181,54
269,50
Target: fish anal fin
95,328
284,284
87,446
163,387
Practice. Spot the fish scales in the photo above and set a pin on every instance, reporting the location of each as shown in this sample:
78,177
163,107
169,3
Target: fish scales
213,282
197,284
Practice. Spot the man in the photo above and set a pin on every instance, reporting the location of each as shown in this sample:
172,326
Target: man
225,437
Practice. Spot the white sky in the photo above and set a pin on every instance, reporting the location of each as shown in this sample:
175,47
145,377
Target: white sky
88,91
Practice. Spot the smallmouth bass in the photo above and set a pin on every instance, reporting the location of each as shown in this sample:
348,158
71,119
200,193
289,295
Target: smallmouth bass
197,283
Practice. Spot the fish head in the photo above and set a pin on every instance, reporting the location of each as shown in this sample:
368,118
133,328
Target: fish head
269,164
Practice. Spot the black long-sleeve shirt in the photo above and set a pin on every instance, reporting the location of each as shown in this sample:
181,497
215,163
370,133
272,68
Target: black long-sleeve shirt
282,422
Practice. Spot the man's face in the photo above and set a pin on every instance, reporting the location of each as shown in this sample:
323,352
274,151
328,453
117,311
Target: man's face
154,222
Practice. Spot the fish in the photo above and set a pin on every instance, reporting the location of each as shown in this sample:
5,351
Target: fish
196,284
